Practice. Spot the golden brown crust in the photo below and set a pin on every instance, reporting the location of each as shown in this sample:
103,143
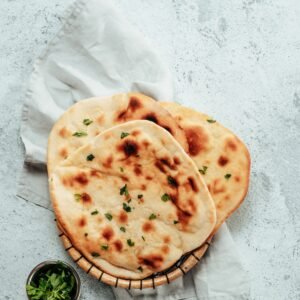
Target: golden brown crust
104,113
158,241
213,146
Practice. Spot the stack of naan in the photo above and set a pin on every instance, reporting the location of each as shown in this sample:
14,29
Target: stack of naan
137,183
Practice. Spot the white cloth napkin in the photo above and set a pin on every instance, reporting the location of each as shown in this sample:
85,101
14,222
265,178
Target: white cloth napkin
96,53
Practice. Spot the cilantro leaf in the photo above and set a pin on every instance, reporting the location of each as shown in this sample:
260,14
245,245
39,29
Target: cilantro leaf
80,133
124,134
87,122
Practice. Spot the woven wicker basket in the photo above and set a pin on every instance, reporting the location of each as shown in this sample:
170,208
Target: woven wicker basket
181,267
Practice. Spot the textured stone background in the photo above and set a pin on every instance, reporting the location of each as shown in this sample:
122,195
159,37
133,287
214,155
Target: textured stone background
239,61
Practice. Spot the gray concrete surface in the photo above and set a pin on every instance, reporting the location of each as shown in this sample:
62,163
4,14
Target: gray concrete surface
239,61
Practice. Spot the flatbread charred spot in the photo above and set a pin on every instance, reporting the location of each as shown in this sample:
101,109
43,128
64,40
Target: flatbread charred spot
124,178
166,239
108,233
86,198
80,179
63,132
123,217
63,152
121,116
216,187
135,133
193,184
134,104
177,160
149,177
223,161
167,128
231,145
183,216
108,162
143,187
95,173
159,165
82,222
137,170
165,249
192,206
118,245
128,147
100,119
237,178
152,261
226,197
150,117
145,143
197,140
148,227
172,182
167,162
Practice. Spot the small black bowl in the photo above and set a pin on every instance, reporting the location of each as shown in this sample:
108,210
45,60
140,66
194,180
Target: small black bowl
48,264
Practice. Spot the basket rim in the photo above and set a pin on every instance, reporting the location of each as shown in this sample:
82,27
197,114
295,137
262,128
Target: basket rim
180,268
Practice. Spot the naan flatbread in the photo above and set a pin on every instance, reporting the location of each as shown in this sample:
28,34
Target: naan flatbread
87,118
221,157
132,201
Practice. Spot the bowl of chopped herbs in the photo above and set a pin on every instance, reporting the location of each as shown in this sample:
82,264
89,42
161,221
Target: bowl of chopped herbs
53,280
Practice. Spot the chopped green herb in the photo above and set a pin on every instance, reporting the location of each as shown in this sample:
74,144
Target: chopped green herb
86,234
143,238
104,247
95,212
203,171
121,169
140,269
152,217
95,254
77,197
227,176
129,200
165,197
124,190
211,121
90,157
124,134
140,196
56,283
108,216
79,133
130,243
126,207
87,122
175,222
123,229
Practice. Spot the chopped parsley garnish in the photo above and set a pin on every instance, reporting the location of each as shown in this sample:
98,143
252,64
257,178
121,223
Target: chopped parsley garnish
121,169
108,216
130,243
86,234
140,196
95,254
211,121
172,181
143,238
140,269
152,217
129,200
77,197
95,212
124,190
126,207
123,229
165,197
175,222
90,157
57,283
227,176
104,247
203,170
124,134
80,133
87,122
